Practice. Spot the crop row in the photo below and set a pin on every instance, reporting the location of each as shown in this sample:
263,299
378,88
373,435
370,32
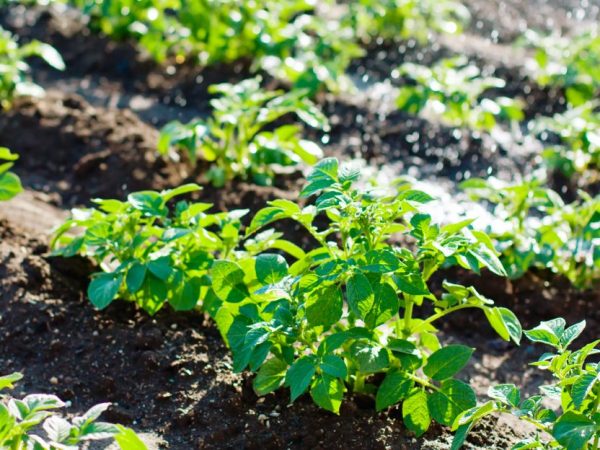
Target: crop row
348,308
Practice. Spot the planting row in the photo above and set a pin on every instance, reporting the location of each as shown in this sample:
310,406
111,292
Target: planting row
349,309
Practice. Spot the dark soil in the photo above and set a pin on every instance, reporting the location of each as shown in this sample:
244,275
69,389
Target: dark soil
95,134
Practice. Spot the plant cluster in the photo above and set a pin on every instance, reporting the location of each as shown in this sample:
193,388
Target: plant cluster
32,423
325,319
541,230
579,149
286,37
243,137
572,63
331,318
453,90
405,19
13,67
292,39
10,184
150,253
577,389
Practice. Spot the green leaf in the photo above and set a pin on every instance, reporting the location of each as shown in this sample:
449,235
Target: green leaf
324,306
505,323
450,400
103,289
128,440
360,295
135,277
299,375
334,366
415,412
149,202
50,55
572,333
447,361
548,332
7,381
370,358
395,387
506,393
10,185
582,386
228,281
328,392
270,376
184,189
324,175
161,268
573,430
385,305
270,268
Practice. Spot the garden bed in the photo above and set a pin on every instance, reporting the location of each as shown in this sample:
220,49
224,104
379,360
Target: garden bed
95,134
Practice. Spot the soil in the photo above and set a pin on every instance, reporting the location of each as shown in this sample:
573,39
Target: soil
94,135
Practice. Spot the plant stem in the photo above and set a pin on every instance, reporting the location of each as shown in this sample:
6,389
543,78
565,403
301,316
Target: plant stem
441,314
421,381
408,311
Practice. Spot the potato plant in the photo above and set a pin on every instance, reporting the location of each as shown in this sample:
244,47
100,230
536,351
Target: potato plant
150,253
330,318
10,184
242,138
13,67
452,91
32,423
287,37
542,231
405,19
579,132
576,425
572,63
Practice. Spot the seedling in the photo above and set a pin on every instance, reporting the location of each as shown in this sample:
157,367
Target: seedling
541,230
572,63
288,38
402,19
33,423
575,426
579,132
10,184
150,253
452,91
242,138
328,319
13,68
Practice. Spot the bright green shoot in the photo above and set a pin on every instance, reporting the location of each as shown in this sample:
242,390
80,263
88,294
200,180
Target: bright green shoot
10,184
451,91
326,320
243,139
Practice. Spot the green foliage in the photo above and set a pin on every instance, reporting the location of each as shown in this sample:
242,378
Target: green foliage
241,139
577,388
327,319
10,184
13,68
405,19
452,90
541,230
33,423
150,253
579,132
285,37
572,63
